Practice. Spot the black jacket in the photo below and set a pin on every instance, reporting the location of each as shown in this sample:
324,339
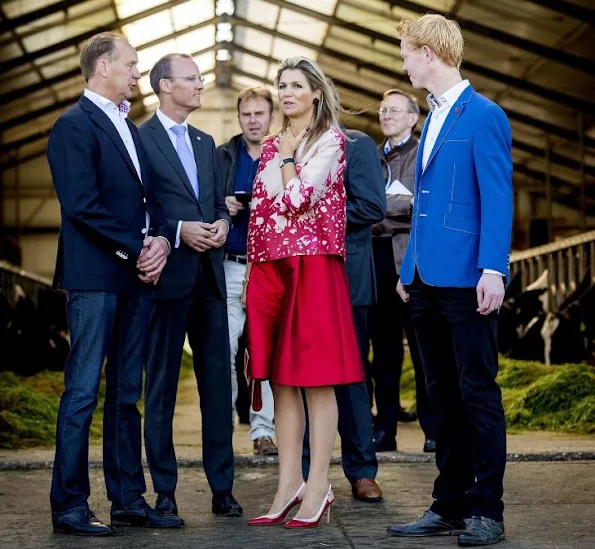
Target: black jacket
366,205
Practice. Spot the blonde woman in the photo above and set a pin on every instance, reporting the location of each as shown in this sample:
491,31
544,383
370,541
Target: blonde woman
300,327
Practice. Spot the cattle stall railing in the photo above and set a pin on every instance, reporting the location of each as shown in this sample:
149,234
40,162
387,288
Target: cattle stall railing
567,262
11,275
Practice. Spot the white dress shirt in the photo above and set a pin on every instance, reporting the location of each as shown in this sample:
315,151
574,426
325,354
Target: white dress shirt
118,119
440,108
168,124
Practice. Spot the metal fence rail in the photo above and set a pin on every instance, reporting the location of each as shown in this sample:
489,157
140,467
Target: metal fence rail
567,261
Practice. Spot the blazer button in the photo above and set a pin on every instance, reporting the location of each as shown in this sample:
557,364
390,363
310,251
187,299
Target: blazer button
144,231
145,200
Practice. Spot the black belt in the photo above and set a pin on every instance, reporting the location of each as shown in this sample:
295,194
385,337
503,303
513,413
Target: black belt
237,258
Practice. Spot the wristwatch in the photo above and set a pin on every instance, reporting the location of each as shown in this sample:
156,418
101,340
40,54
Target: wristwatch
286,161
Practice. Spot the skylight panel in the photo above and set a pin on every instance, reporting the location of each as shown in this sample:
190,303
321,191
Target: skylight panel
283,48
150,28
322,6
191,13
126,8
256,40
253,65
195,41
263,13
302,26
205,62
149,56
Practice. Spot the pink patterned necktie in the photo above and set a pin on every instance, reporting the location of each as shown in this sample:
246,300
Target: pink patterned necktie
124,107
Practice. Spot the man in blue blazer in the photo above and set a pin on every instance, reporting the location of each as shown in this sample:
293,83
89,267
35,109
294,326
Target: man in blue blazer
453,273
366,205
113,245
191,297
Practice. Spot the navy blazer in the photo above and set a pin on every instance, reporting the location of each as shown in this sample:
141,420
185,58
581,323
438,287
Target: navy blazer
176,197
103,202
366,205
462,214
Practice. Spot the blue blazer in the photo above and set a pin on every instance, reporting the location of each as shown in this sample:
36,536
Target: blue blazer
174,194
102,201
462,215
366,205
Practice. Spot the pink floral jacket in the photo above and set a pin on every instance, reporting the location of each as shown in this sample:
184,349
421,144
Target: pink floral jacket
308,217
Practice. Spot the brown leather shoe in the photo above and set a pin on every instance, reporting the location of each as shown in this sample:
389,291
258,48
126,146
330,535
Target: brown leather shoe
367,490
264,446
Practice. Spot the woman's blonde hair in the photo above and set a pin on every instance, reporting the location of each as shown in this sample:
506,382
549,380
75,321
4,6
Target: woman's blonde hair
440,34
326,111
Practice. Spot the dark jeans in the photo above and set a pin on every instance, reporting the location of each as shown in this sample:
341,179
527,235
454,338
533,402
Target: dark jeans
460,358
389,319
203,315
355,419
113,326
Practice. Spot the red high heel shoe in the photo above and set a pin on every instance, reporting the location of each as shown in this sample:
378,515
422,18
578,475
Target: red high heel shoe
315,521
278,518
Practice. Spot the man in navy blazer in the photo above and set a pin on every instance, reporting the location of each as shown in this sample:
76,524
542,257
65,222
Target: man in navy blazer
366,205
113,245
191,297
453,273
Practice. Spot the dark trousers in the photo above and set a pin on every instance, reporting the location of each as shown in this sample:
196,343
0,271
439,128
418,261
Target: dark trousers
203,315
389,319
460,358
355,419
113,326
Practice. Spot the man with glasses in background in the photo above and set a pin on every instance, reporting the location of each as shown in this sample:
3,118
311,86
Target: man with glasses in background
190,297
398,114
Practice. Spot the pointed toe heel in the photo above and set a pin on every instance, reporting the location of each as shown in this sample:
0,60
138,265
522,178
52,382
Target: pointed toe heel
277,518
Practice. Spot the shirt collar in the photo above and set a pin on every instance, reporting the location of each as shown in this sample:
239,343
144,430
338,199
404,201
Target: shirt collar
448,98
107,105
168,123
388,148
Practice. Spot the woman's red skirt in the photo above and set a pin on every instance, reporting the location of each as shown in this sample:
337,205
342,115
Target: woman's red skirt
300,324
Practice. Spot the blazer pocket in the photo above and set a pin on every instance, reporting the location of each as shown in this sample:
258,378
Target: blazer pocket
461,224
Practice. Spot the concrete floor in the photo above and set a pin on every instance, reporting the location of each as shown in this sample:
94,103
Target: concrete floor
548,505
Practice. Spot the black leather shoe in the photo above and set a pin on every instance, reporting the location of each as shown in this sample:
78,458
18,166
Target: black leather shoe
383,442
144,517
481,531
225,505
430,524
429,446
166,504
403,416
81,523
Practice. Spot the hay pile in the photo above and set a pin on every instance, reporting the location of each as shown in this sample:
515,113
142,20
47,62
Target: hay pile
538,397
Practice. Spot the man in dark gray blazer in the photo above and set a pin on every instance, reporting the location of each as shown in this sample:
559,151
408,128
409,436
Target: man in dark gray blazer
191,295
366,204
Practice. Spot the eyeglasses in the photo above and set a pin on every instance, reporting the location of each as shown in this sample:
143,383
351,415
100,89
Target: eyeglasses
393,111
190,79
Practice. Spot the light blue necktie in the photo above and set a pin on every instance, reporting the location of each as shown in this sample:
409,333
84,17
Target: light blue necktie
187,158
